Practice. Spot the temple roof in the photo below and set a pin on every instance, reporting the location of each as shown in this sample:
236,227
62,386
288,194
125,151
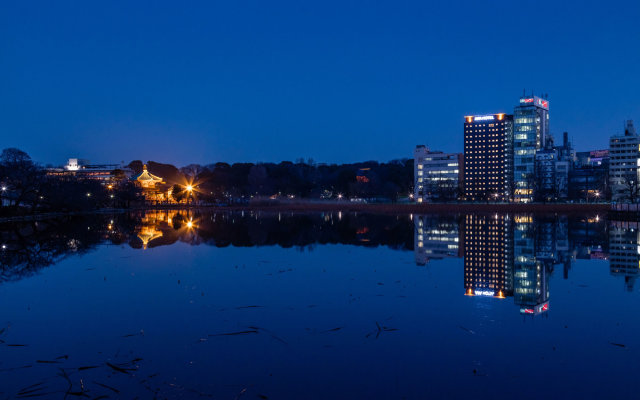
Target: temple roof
146,176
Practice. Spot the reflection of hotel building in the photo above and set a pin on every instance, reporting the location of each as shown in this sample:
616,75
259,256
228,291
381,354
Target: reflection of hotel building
436,237
530,131
530,273
437,175
487,156
487,255
624,252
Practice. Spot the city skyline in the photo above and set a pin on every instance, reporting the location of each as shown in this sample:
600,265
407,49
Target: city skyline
260,82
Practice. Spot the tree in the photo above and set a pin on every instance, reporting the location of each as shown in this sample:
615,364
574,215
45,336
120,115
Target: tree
178,193
21,177
631,187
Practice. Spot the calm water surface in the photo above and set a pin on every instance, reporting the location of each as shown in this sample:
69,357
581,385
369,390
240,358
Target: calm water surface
319,306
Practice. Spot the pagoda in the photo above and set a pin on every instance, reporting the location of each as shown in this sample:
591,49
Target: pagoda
145,179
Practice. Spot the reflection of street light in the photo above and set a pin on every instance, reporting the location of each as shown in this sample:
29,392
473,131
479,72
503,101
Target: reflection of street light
4,188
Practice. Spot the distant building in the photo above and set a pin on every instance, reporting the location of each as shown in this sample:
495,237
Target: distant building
593,158
624,159
530,131
437,175
83,169
487,156
552,167
589,183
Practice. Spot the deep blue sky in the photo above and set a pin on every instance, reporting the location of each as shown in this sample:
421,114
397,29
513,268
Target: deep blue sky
340,81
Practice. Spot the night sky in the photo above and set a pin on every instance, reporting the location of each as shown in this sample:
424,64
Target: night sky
341,81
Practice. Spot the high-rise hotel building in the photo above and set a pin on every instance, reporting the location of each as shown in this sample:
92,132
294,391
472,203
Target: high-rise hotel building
530,131
488,156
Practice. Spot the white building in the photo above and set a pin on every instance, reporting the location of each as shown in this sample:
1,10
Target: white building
437,175
624,159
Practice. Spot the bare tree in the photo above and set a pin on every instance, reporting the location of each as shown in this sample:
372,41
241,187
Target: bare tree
631,187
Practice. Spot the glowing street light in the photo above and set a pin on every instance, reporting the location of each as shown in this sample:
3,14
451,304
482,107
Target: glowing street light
189,189
4,188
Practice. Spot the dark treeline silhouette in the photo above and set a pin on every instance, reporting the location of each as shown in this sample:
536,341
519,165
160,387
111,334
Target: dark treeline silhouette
222,181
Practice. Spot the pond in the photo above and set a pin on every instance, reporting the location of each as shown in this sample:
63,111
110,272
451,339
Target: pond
258,305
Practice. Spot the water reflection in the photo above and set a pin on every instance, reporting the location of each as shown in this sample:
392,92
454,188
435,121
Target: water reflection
505,256
514,256
178,296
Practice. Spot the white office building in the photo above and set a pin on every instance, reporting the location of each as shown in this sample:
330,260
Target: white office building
624,159
437,175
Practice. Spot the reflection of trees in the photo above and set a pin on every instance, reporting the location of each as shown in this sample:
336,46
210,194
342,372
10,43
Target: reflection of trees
30,246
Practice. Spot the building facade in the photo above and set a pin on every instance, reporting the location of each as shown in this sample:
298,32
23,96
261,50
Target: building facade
437,175
624,159
436,237
488,269
487,155
530,131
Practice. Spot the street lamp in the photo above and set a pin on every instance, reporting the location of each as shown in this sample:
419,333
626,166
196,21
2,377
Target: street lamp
189,190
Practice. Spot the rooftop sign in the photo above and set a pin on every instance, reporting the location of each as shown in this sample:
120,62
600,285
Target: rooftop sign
535,100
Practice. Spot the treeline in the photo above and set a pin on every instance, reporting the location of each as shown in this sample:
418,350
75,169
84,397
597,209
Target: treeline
221,181
26,187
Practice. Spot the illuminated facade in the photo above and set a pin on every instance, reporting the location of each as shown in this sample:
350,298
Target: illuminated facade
153,187
487,156
487,255
624,162
624,251
530,132
437,175
530,272
436,238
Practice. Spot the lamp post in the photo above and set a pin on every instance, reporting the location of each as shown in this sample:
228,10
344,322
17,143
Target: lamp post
189,191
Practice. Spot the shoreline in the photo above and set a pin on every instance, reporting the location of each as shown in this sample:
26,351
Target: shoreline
400,209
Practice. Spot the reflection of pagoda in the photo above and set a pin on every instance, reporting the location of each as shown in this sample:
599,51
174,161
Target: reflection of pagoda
147,234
